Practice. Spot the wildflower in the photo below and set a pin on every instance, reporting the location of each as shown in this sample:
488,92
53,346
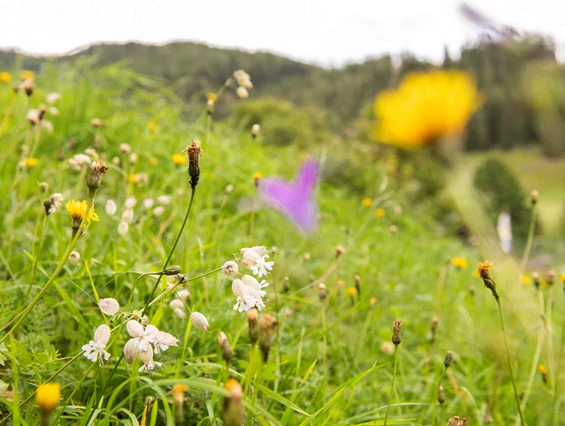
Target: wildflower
133,158
244,301
435,325
233,413
27,75
148,363
210,106
161,340
426,107
387,348
130,202
484,273
267,328
562,278
176,303
367,202
148,203
51,98
526,279
184,295
123,228
152,126
286,284
352,291
53,203
504,230
357,279
242,92
339,250
230,268
441,395
96,122
125,148
109,306
227,351
550,277
536,278
534,195
543,372
448,358
396,332
254,259
179,159
77,210
164,199
28,85
178,392
179,313
372,301
380,212
158,211
459,262
229,189
255,130
456,421
127,215
199,321
252,316
31,162
95,350
193,152
97,171
78,161
5,77
74,257
322,291
393,229
256,178
250,281
47,397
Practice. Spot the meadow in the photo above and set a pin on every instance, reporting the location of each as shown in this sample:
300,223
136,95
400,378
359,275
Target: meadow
315,355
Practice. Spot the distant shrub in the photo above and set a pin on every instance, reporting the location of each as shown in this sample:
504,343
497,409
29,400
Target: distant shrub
500,191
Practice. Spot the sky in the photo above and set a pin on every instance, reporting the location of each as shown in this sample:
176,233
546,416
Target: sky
325,32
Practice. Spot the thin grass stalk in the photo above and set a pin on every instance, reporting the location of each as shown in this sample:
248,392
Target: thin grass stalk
549,327
529,241
324,352
36,255
557,387
437,396
395,368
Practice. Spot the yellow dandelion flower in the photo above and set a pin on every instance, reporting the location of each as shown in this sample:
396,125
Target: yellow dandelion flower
459,262
352,291
373,300
366,202
152,126
133,178
5,77
47,397
340,283
77,210
562,278
426,107
153,161
211,96
31,162
542,369
526,279
380,212
179,159
27,75
257,175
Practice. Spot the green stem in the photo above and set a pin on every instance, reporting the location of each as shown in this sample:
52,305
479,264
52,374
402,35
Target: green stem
324,351
192,192
509,360
529,241
537,354
36,255
22,315
393,381
437,397
556,393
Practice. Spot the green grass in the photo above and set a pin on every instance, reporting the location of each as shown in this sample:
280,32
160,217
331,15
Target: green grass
326,364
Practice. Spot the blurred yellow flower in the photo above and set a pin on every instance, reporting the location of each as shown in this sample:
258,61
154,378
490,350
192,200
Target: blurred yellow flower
542,369
27,75
380,212
340,283
77,210
133,178
31,162
179,159
526,279
257,175
153,161
152,126
562,278
352,291
367,202
426,107
211,96
459,262
47,397
5,77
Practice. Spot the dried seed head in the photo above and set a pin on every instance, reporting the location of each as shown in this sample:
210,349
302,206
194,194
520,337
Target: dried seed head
534,195
435,324
267,327
396,332
74,257
448,358
358,285
550,277
28,85
229,189
536,279
230,268
323,292
53,203
255,130
286,284
97,171
193,152
95,122
227,351
339,250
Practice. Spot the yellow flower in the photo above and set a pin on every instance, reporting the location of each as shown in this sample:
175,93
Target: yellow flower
484,269
27,75
5,77
31,162
459,262
257,175
179,159
133,178
366,202
47,397
380,212
352,291
211,96
426,107
77,210
153,161
542,369
562,278
152,126
526,279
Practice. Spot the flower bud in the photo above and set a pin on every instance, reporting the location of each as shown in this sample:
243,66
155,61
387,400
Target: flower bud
97,171
484,273
242,92
339,250
109,306
255,130
233,413
172,270
28,85
396,332
267,328
111,207
227,351
252,316
286,284
53,203
74,257
358,285
194,152
102,334
534,195
323,293
448,358
441,395
199,321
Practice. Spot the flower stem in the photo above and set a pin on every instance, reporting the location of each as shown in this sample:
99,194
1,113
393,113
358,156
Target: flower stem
393,381
192,192
556,393
509,360
437,397
36,255
530,240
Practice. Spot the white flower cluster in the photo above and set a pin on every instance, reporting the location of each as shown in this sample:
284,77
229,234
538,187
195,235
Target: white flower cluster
144,341
248,290
96,348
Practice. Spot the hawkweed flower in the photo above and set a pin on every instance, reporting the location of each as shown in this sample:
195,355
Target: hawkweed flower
427,107
5,77
366,202
230,269
267,328
179,159
77,210
30,162
199,321
152,126
254,258
484,272
459,262
255,130
178,392
352,291
380,212
193,152
109,306
526,279
53,203
111,207
227,351
543,371
397,332
233,413
95,350
253,332
123,228
47,398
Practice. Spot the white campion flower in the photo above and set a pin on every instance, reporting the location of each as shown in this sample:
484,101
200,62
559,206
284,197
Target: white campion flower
148,203
111,207
109,306
47,125
92,153
244,300
161,340
164,199
51,98
255,130
79,161
254,259
250,281
96,348
179,313
53,110
158,211
130,202
183,294
230,268
242,92
199,321
176,303
148,363
127,215
123,228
